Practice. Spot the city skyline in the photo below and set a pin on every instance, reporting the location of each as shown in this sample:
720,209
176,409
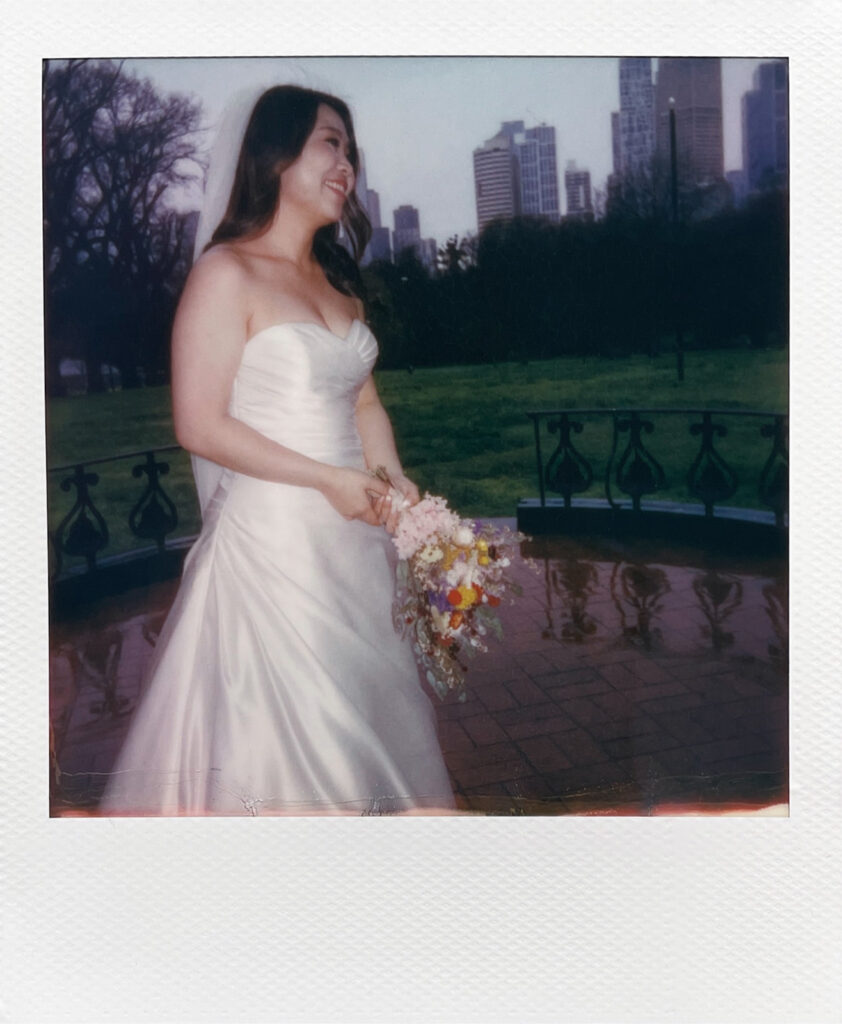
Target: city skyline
515,172
444,107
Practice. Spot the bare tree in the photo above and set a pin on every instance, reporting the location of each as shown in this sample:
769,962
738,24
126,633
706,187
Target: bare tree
115,151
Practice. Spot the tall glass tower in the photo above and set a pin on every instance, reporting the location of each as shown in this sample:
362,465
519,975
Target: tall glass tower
695,85
766,127
637,114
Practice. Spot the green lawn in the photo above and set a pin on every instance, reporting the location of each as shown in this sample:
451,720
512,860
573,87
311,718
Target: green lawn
461,430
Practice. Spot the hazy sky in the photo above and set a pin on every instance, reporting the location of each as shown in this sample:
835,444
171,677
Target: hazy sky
418,119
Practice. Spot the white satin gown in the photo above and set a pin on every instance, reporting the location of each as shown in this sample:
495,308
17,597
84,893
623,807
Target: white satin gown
278,684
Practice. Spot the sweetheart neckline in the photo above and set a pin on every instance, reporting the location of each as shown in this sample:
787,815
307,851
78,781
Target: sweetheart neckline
307,323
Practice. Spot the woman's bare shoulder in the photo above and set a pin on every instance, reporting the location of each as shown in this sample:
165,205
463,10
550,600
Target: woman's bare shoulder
215,299
222,266
219,277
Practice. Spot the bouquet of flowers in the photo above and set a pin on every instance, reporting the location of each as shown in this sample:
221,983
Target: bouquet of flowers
451,577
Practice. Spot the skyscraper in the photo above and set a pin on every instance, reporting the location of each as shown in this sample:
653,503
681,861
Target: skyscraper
637,114
616,158
695,84
496,180
372,207
361,183
370,202
536,155
766,127
407,233
515,173
577,185
613,183
379,246
739,186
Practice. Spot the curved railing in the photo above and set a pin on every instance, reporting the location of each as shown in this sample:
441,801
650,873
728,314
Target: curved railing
83,533
633,470
630,474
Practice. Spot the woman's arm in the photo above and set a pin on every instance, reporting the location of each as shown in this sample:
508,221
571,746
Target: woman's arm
209,335
375,431
379,448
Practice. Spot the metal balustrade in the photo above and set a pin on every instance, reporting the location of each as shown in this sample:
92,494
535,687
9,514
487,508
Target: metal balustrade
633,472
84,533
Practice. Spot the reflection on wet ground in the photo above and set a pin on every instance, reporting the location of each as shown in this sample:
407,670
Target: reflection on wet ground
632,679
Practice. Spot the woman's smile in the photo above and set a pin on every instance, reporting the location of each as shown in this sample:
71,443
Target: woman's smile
338,185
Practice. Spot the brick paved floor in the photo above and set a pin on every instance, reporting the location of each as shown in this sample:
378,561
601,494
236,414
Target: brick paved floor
631,680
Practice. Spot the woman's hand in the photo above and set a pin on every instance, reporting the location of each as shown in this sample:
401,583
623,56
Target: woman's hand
356,495
407,488
402,494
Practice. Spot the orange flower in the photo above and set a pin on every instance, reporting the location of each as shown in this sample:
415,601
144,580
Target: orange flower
456,619
462,597
493,601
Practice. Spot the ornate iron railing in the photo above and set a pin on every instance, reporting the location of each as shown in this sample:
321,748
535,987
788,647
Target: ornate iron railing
634,470
83,531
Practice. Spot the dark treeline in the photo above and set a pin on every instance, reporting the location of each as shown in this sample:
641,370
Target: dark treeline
610,287
117,251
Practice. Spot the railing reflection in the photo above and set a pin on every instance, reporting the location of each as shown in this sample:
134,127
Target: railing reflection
637,591
683,610
568,584
720,595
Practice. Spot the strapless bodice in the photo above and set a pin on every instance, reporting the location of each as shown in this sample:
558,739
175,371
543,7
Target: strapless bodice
298,384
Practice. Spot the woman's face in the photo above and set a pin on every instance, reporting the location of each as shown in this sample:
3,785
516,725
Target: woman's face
321,178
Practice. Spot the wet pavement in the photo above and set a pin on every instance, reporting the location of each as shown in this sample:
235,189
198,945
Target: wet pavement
632,679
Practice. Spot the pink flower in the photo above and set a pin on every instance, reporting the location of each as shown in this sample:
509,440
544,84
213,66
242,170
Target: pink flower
421,523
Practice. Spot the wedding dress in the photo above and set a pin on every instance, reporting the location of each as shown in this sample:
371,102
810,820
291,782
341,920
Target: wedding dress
278,683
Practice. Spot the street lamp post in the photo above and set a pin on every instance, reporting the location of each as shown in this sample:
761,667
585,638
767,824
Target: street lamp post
679,339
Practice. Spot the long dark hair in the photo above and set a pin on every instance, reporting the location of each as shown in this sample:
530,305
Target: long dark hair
280,124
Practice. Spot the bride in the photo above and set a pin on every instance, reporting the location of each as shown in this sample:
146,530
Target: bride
278,684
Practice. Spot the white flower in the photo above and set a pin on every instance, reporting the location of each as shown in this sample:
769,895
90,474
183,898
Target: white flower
463,536
430,554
